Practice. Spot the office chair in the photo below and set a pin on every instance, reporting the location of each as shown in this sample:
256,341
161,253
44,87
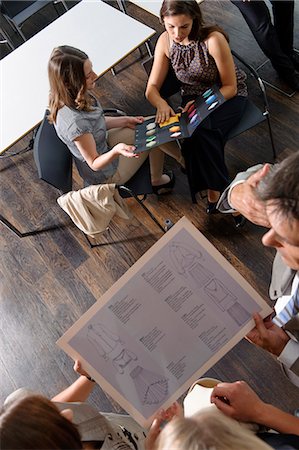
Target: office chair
17,12
54,164
252,115
5,39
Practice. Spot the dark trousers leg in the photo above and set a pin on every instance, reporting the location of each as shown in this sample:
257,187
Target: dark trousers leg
258,19
204,150
283,13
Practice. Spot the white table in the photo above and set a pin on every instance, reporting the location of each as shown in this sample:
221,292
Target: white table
104,33
152,6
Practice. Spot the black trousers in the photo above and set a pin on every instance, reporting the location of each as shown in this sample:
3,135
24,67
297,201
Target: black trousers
280,441
276,40
204,150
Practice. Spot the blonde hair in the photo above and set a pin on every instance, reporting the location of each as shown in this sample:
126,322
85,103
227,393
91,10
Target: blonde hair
208,430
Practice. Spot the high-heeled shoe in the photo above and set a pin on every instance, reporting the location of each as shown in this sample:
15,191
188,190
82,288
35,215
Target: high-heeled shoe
239,221
211,208
167,187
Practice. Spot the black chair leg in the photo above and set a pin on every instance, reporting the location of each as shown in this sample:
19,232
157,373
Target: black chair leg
167,226
140,202
271,137
18,233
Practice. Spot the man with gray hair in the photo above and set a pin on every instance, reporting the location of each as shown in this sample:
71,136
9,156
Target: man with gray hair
269,196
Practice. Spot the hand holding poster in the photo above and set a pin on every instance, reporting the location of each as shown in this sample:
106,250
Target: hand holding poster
164,323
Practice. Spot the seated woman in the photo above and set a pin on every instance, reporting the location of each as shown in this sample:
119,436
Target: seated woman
100,156
201,57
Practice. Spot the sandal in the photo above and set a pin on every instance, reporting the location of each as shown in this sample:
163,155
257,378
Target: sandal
167,187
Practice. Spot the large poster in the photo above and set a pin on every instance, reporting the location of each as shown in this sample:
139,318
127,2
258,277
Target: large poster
164,323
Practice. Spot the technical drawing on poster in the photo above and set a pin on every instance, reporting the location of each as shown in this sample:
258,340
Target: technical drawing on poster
188,262
151,387
110,346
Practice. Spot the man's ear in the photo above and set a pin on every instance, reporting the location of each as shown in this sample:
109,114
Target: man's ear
68,414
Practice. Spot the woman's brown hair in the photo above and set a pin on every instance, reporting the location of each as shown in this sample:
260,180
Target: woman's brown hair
67,80
33,422
189,8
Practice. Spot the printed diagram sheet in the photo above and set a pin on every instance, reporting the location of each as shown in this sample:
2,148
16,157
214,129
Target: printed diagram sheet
173,315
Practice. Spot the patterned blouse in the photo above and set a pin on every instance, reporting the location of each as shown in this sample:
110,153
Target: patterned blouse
197,69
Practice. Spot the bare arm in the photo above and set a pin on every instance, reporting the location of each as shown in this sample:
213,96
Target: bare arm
87,147
79,390
157,77
219,49
76,392
122,122
242,403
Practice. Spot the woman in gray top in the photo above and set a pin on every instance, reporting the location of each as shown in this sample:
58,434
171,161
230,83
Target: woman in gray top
102,146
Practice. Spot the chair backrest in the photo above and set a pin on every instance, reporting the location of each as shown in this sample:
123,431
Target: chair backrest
251,117
52,157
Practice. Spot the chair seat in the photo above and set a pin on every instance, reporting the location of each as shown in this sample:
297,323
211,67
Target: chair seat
252,116
22,10
28,12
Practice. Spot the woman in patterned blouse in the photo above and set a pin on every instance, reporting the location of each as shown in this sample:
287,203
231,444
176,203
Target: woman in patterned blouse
201,58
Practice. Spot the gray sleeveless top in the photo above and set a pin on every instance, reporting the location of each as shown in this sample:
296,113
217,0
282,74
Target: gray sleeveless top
197,69
70,124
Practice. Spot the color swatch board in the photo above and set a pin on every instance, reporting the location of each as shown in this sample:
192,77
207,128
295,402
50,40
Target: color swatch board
150,134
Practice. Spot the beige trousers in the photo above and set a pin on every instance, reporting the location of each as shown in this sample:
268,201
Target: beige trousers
127,167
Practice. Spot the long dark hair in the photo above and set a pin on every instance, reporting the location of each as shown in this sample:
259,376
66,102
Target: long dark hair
67,80
189,8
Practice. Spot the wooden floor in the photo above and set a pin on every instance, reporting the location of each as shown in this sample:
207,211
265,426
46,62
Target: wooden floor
47,281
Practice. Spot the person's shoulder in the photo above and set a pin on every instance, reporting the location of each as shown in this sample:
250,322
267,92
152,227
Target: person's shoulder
66,112
217,44
216,37
163,41
67,116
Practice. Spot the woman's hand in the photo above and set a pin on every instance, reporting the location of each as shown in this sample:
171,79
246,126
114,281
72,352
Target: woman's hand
164,112
125,150
162,417
78,368
131,121
187,106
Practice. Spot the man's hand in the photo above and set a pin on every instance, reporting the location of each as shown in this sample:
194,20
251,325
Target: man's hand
244,198
237,400
268,336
